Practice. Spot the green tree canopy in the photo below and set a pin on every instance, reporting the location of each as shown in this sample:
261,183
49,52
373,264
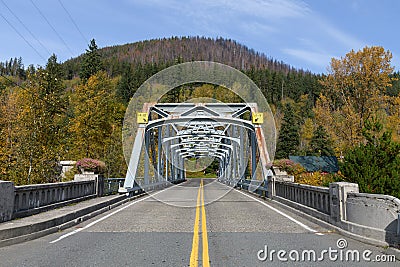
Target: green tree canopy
320,144
288,140
91,61
375,166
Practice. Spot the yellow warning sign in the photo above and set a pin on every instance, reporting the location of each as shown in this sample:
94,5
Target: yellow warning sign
258,118
142,117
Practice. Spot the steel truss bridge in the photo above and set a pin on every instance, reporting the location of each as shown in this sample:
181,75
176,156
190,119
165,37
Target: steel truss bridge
170,135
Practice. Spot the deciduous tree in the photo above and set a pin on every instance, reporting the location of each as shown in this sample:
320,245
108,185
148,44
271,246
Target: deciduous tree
354,90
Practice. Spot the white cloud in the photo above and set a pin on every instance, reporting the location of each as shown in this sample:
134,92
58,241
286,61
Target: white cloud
257,28
316,58
347,40
267,9
289,26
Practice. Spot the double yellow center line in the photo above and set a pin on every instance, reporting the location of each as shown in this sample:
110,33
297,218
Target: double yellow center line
194,256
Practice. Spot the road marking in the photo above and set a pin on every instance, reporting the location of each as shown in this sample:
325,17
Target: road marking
195,244
194,258
105,217
283,214
206,258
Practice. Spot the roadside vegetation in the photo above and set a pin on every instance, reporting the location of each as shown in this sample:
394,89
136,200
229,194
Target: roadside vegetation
75,109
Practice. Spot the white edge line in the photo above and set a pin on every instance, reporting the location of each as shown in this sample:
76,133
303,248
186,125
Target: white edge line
105,217
283,214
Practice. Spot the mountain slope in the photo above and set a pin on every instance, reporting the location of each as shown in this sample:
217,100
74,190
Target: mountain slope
168,51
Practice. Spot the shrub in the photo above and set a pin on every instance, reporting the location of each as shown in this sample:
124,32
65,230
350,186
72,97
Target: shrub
318,178
291,167
94,165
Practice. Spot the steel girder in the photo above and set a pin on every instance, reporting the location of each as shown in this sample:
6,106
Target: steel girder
176,132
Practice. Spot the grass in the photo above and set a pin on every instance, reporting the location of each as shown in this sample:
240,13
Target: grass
200,174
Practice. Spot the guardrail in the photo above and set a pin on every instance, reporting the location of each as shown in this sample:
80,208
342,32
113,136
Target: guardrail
315,197
111,185
21,201
360,208
31,199
368,216
255,186
140,187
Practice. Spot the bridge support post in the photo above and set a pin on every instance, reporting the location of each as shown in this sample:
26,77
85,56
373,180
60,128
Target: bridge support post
235,157
242,168
253,155
166,154
271,186
159,155
181,170
7,196
338,197
146,158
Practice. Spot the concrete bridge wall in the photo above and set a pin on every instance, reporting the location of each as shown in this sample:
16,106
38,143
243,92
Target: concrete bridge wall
372,216
21,201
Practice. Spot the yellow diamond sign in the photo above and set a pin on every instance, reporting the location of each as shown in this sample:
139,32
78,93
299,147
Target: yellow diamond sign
258,118
142,117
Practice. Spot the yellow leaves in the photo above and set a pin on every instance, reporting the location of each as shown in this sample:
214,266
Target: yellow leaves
95,111
307,129
353,92
393,118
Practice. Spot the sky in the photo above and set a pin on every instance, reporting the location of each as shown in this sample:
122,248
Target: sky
302,33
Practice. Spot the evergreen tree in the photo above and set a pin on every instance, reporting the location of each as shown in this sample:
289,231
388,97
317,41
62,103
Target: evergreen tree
126,87
91,62
288,140
320,144
375,166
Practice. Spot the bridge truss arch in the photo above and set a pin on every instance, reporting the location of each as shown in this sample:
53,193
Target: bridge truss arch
175,133
156,151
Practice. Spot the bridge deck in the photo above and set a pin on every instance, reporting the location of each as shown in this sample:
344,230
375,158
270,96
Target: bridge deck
158,230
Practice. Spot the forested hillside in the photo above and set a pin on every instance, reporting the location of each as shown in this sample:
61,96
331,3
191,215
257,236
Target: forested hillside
75,109
138,61
168,51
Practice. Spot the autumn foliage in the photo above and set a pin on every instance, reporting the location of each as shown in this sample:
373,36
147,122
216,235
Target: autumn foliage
51,113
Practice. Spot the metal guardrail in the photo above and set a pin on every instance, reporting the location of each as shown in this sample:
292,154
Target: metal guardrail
139,185
255,186
111,185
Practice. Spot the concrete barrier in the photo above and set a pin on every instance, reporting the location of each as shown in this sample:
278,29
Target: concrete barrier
377,212
32,199
371,216
26,200
315,197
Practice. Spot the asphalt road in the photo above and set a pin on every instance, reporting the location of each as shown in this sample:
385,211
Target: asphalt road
194,224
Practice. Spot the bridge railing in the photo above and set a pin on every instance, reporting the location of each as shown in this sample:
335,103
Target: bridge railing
370,216
26,200
315,197
111,185
32,199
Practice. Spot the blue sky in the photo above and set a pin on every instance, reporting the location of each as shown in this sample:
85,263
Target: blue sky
305,34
